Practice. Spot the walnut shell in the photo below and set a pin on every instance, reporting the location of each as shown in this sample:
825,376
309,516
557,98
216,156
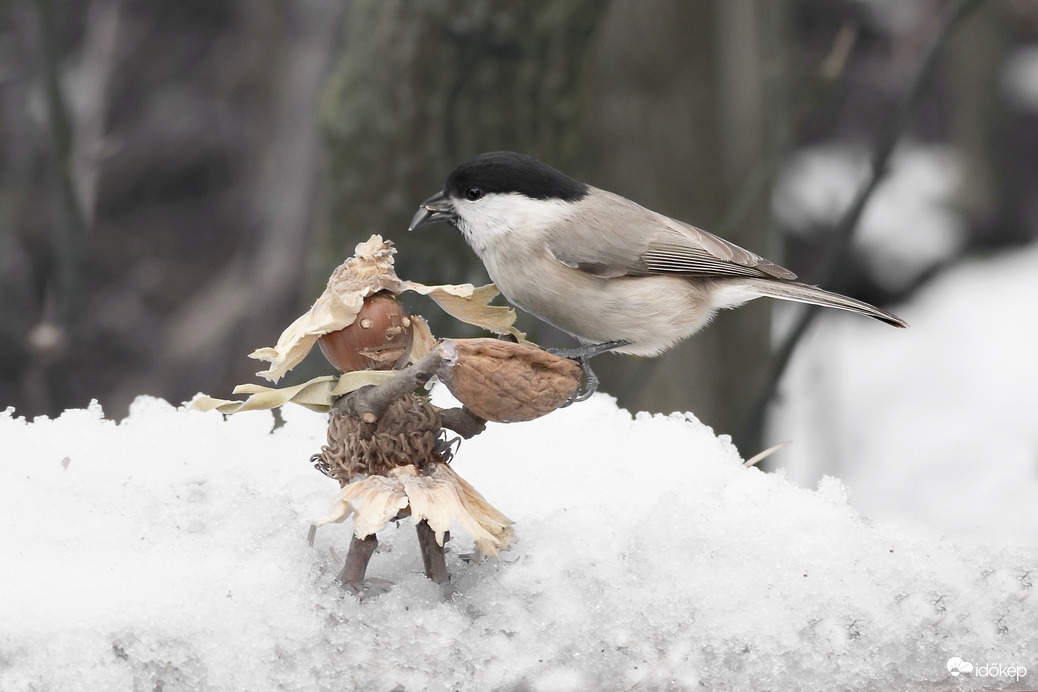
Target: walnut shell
506,382
379,339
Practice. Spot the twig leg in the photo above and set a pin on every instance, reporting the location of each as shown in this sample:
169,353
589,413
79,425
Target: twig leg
432,553
361,550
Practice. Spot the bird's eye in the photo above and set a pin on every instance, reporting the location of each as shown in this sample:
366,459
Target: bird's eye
473,193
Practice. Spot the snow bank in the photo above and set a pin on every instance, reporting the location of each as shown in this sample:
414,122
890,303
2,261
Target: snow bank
938,423
169,553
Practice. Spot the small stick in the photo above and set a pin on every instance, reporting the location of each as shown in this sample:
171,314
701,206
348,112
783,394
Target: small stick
462,421
432,553
369,403
361,550
761,456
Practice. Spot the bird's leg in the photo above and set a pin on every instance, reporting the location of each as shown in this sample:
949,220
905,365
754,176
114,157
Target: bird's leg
361,550
432,552
588,351
582,355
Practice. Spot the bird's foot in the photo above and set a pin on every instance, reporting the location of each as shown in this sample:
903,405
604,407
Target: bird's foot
588,385
589,382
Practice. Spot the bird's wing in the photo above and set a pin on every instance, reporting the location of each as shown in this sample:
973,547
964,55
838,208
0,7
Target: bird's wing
624,239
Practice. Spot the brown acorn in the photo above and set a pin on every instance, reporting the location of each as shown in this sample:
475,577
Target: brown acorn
506,382
379,339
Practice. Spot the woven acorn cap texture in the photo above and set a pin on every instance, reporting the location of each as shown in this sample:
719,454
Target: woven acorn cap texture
408,434
507,382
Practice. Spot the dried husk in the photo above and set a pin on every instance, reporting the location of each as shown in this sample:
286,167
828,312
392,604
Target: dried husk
368,272
438,495
318,394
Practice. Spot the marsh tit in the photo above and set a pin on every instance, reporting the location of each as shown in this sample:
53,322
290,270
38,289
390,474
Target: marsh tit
601,267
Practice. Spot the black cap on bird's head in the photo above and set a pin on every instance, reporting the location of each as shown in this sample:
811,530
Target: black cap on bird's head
507,171
498,172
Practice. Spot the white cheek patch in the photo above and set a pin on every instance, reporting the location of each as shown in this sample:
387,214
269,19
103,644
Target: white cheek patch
497,215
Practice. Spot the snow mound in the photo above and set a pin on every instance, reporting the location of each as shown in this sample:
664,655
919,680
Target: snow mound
168,552
936,423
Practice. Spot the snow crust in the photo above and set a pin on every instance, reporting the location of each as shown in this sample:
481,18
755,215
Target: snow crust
169,553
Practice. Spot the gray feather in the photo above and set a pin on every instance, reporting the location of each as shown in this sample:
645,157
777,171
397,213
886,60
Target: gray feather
630,240
802,293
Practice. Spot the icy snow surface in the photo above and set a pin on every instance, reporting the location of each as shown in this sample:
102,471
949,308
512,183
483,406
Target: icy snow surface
169,553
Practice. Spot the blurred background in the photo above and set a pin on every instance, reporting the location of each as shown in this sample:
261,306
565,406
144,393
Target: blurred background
177,181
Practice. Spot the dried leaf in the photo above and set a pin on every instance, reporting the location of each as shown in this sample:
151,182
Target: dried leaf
369,271
330,313
317,394
423,342
472,305
352,381
443,496
439,496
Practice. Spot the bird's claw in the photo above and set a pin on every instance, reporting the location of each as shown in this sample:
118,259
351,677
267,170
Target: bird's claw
588,385
589,382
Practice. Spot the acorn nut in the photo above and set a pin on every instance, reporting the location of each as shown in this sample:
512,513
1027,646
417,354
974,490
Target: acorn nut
378,339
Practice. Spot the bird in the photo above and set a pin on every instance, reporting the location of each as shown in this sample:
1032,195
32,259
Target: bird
612,273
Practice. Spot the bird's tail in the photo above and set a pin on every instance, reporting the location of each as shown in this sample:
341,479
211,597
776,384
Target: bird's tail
802,293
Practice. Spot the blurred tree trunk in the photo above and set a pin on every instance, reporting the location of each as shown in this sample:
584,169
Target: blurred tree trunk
256,294
678,110
683,123
421,86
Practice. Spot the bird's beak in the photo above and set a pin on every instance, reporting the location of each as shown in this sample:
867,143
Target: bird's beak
436,208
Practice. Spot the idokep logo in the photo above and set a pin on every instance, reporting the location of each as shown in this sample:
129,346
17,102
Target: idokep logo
956,666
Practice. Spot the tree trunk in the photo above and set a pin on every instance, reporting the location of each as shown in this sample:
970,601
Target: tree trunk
420,87
686,121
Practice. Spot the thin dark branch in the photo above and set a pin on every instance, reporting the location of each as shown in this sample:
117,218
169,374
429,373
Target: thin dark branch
432,553
357,559
891,134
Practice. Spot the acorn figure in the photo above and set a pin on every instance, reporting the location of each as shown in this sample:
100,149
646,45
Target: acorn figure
387,446
393,463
